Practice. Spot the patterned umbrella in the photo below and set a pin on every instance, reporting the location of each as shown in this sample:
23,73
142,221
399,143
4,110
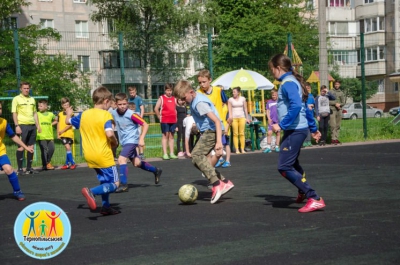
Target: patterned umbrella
245,79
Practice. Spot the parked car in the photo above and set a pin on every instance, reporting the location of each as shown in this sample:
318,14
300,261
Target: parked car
354,110
394,111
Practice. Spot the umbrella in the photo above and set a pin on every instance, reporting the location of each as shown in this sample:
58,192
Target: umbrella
245,79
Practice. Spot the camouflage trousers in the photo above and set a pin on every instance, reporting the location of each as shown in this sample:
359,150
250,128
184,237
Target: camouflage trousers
199,156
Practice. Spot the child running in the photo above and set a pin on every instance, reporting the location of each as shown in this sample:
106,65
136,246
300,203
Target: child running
5,163
295,119
127,123
95,126
207,120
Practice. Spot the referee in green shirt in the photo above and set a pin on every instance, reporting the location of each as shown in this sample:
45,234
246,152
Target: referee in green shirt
26,122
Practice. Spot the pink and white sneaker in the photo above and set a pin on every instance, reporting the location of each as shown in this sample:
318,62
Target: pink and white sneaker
312,205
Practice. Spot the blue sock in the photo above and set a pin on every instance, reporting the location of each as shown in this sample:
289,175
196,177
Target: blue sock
104,200
70,159
148,167
297,179
13,178
123,172
104,188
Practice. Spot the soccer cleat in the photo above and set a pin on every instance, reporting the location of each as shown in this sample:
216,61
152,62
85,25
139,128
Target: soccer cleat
20,171
300,197
172,156
108,211
122,188
157,175
31,171
277,149
267,150
90,198
49,166
19,195
217,191
220,162
312,205
227,187
226,164
65,167
72,166
165,157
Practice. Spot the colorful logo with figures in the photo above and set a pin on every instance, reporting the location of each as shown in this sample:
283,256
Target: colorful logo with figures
42,230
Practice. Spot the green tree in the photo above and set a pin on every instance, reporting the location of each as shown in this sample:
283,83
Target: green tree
157,30
9,7
352,87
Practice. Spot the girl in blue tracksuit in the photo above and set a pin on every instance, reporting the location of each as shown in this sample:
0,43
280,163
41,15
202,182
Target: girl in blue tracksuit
295,119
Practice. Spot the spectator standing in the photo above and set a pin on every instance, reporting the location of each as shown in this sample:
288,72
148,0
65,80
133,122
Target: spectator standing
192,134
272,116
65,133
46,137
165,110
26,122
238,116
114,149
310,106
322,112
181,114
336,111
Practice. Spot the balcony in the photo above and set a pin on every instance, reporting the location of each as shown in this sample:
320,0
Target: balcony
373,68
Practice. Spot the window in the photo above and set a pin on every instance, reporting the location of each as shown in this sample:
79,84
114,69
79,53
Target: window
8,23
46,23
111,25
368,1
344,57
81,29
338,28
373,24
337,3
111,59
179,60
373,54
396,87
310,5
80,1
132,59
84,64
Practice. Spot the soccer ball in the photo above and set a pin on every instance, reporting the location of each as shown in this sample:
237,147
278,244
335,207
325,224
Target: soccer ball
188,194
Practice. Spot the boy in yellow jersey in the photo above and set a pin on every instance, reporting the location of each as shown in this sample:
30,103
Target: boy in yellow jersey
65,132
46,138
5,163
26,123
95,126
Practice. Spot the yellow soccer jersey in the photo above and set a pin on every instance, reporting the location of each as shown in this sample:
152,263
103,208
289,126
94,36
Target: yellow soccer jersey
25,107
61,125
3,126
215,98
96,146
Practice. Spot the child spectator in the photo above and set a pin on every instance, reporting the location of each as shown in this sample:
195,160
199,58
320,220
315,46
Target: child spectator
114,150
272,116
128,122
191,132
65,133
46,137
95,126
165,110
139,108
322,111
5,163
310,106
225,139
209,123
181,115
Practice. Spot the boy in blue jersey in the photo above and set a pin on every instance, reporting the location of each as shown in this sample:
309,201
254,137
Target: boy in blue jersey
98,139
128,123
207,120
5,163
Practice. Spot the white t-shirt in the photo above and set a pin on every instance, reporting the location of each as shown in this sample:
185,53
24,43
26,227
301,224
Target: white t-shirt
188,123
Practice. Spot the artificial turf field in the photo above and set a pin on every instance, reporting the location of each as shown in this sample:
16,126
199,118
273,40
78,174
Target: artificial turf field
256,223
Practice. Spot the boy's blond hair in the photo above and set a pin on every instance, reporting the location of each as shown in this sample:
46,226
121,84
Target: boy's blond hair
204,73
64,100
101,94
131,88
121,96
181,88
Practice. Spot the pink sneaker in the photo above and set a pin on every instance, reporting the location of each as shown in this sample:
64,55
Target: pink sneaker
217,192
228,186
181,154
312,205
90,198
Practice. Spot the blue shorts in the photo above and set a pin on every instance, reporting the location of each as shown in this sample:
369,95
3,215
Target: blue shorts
129,151
107,175
4,160
168,127
225,140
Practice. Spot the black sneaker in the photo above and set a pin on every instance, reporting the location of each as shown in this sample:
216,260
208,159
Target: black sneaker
142,157
122,188
31,171
108,211
157,175
20,171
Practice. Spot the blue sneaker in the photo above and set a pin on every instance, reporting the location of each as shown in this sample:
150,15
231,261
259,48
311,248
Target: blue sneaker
220,162
277,149
226,164
267,150
19,195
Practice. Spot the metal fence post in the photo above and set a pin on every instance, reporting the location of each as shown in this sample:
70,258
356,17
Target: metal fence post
364,100
121,61
17,56
210,58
